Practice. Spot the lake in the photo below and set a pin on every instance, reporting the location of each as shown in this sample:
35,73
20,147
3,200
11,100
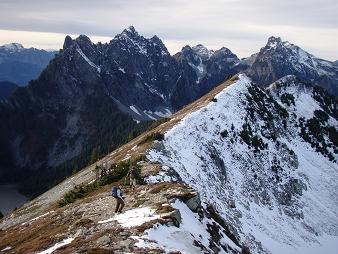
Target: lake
10,198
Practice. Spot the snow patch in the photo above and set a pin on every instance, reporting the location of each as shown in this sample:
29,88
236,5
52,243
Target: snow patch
160,178
36,218
7,248
87,59
133,217
57,245
133,108
122,70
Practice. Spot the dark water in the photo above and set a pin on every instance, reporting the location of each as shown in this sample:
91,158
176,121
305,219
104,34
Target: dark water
10,198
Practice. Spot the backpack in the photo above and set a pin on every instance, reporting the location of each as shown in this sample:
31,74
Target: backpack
114,191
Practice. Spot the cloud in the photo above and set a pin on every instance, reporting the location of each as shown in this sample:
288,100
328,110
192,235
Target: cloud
232,23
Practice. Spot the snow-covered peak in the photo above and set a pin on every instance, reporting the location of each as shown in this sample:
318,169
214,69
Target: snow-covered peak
202,51
12,47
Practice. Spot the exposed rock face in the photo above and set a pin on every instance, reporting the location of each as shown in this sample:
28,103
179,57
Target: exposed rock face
194,203
280,58
201,69
20,65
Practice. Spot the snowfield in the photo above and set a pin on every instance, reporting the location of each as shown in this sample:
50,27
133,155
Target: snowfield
295,211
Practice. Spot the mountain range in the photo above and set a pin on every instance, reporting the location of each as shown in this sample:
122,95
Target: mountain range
243,169
93,97
19,65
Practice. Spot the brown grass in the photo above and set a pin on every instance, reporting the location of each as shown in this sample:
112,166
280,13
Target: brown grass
34,237
159,187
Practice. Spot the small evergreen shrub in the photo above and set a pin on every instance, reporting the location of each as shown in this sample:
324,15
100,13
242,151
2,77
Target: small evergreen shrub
119,171
224,134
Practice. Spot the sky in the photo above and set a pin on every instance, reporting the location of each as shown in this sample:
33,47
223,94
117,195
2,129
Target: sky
243,26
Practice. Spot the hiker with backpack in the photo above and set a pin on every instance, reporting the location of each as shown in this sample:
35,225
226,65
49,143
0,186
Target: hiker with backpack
132,174
117,193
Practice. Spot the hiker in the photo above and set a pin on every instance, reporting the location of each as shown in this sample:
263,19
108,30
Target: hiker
132,174
103,169
118,195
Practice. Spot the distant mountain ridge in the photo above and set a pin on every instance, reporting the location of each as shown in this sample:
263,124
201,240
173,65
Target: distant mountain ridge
20,65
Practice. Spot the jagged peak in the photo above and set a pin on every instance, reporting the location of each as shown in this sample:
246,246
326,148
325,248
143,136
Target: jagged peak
156,39
225,52
131,29
67,42
186,48
273,42
129,32
83,38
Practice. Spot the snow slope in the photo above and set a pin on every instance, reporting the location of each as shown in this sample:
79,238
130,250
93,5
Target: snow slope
182,238
278,193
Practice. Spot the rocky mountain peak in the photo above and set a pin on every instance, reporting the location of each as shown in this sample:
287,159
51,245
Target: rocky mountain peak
68,42
156,40
202,51
130,32
83,40
273,42
225,52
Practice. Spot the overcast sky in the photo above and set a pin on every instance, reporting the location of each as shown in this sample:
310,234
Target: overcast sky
241,25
